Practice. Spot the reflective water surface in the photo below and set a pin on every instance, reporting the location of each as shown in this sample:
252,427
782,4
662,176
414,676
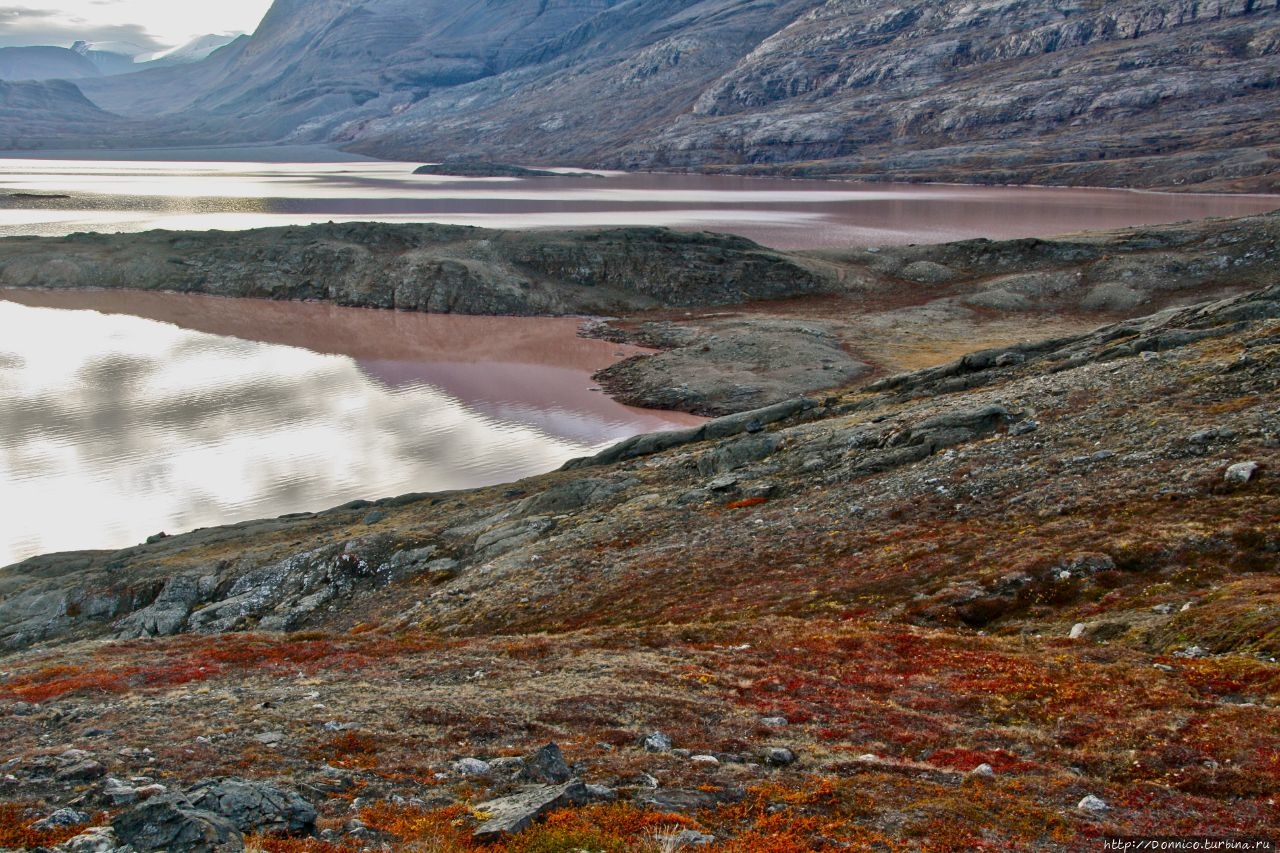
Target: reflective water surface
126,414
136,196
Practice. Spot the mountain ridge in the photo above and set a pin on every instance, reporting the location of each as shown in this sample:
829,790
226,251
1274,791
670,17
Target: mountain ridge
1117,93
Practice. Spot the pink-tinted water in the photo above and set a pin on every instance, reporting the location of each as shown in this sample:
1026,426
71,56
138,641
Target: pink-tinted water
126,414
794,214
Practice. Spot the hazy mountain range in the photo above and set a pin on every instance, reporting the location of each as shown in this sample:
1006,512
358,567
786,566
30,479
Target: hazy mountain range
85,59
1069,91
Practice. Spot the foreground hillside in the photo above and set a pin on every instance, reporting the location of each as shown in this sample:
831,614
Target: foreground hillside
1109,92
1022,600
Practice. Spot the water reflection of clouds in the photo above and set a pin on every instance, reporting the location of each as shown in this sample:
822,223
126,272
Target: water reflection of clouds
115,428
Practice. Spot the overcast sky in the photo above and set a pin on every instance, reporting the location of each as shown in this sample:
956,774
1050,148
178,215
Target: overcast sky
153,24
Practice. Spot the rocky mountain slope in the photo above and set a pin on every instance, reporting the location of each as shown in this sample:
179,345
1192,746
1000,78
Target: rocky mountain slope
36,112
1101,92
1025,599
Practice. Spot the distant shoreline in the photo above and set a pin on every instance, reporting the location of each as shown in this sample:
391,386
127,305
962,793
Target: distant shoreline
202,154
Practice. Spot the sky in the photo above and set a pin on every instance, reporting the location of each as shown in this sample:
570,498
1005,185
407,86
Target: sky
151,24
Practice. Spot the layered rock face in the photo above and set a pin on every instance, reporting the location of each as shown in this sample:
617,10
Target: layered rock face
997,88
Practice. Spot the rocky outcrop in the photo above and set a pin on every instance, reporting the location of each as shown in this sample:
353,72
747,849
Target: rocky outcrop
434,268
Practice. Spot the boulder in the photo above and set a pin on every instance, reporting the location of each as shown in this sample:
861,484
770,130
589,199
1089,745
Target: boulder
547,765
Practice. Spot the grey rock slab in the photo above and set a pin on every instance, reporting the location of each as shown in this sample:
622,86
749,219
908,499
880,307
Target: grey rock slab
513,814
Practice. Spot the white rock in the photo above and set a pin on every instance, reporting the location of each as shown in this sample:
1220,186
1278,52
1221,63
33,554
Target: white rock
985,771
472,767
710,760
1077,631
1092,804
1241,472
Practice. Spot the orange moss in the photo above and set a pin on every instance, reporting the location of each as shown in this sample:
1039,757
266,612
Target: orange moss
16,832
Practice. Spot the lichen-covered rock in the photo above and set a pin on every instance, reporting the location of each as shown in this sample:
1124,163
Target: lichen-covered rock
513,814
255,807
170,822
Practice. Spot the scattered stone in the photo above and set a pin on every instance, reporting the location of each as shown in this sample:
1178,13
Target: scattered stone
1009,359
687,802
270,738
81,771
1192,652
723,484
869,756
1241,472
775,722
547,765
374,517
983,771
656,742
1093,804
255,807
601,794
335,726
170,822
1078,630
95,839
1150,356
61,819
509,815
685,838
778,756
472,767
709,760
118,793
1024,428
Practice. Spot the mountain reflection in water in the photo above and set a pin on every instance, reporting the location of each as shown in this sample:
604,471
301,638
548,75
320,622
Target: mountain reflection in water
125,414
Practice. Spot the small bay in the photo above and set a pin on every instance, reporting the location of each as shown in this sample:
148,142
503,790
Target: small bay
123,414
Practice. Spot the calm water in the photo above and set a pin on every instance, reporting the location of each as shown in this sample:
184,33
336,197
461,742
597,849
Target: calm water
123,415
136,196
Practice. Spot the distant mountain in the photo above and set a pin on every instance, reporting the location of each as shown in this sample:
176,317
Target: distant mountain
1133,92
193,51
44,63
85,60
116,57
34,113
